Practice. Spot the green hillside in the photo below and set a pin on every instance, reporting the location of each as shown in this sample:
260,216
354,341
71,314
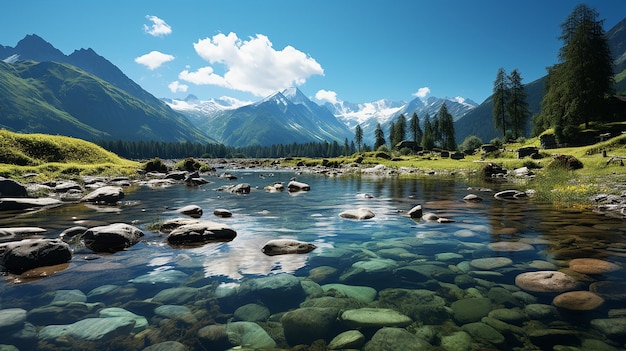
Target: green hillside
56,98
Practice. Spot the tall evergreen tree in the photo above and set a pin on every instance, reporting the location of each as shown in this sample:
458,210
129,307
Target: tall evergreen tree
446,128
401,128
517,107
500,97
579,84
428,140
358,136
416,130
379,137
393,137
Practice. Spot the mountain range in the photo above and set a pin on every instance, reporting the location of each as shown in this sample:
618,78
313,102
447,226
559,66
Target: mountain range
84,95
81,95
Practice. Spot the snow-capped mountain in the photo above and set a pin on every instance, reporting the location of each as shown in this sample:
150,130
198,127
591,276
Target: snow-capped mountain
198,110
368,115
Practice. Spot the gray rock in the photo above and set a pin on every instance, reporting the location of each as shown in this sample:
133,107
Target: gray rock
249,335
547,338
222,213
374,317
611,327
167,346
393,339
200,232
540,311
472,198
27,254
287,246
351,339
419,304
193,211
65,296
485,333
175,296
415,212
457,341
12,319
252,312
90,329
361,293
66,313
11,188
20,204
293,186
176,312
305,325
67,187
490,263
470,310
141,322
513,316
106,194
112,238
358,214
168,225
70,234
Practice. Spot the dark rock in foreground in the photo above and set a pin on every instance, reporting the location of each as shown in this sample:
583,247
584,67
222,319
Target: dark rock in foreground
24,255
112,238
200,232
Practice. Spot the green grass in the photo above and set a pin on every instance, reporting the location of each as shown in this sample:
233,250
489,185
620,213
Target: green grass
54,157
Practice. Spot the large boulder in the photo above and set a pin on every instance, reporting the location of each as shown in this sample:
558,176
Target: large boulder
112,238
11,188
200,232
106,194
287,246
23,255
298,186
546,281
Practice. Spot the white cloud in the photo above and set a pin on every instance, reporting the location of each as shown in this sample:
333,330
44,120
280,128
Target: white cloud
422,92
175,87
327,95
251,65
158,27
154,59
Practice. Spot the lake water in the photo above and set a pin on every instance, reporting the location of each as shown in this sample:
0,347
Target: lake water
423,270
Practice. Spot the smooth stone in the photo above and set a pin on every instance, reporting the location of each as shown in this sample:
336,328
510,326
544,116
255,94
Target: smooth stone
11,232
501,296
59,314
287,246
252,312
609,290
457,341
610,327
65,296
542,265
359,214
222,213
168,277
430,217
472,198
176,312
513,316
106,194
546,281
510,246
293,186
101,291
167,346
141,322
484,332
449,256
578,301
540,311
374,317
592,266
175,296
21,256
396,339
361,293
193,211
415,212
90,329
200,232
307,324
548,338
20,204
490,263
249,335
12,319
471,310
351,339
321,273
111,238
418,304
72,233
168,225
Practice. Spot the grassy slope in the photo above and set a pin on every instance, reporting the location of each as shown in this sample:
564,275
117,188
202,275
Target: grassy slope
57,157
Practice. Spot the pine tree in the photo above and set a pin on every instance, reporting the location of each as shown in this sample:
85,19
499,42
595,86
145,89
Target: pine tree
517,107
379,137
446,128
401,128
358,136
428,140
416,130
579,83
500,98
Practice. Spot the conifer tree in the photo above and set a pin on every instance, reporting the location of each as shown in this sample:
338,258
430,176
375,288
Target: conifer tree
446,128
358,136
428,140
517,107
500,98
416,130
379,137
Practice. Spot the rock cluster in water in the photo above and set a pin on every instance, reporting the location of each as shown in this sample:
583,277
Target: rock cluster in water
435,291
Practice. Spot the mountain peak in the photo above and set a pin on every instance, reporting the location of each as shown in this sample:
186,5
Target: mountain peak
36,48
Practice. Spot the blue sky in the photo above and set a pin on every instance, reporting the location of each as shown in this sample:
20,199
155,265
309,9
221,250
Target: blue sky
350,50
